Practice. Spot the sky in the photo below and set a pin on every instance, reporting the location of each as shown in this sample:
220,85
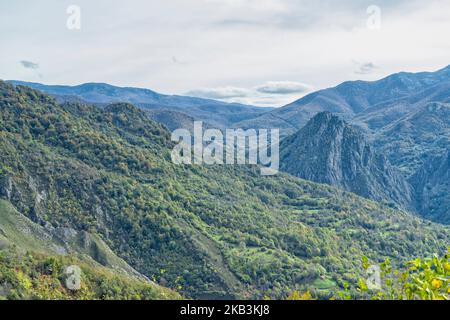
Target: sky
259,52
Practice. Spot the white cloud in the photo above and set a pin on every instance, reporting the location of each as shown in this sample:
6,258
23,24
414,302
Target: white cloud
254,5
283,87
271,93
220,93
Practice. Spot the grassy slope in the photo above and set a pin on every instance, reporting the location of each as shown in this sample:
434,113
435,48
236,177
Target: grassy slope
209,231
32,263
18,230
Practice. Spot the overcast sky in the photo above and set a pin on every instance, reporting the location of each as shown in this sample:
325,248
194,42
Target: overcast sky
262,52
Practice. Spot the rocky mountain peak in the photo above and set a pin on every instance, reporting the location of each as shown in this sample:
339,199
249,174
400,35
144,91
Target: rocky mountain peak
328,150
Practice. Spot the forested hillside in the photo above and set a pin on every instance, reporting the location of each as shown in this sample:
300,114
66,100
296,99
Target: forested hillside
207,231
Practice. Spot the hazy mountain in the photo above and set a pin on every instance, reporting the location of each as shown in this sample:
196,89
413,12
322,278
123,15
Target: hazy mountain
328,150
432,184
409,141
218,114
356,99
386,113
209,231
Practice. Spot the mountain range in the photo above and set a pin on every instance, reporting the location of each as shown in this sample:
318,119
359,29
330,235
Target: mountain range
99,183
403,117
216,113
86,177
402,120
370,104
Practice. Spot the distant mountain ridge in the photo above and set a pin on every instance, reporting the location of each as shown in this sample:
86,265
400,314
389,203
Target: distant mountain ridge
217,113
355,99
